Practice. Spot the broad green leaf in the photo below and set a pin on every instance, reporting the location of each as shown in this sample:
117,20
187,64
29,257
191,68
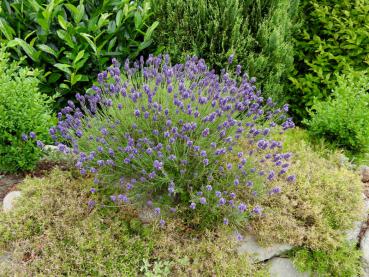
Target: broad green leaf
103,20
75,78
112,43
6,29
77,12
118,18
150,30
28,49
138,20
47,49
79,56
62,22
81,63
66,37
63,67
87,37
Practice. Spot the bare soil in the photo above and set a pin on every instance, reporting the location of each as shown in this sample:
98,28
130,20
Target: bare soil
8,182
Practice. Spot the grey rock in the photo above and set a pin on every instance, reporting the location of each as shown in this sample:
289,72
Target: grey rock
352,235
147,216
251,246
364,173
283,267
364,246
9,199
5,257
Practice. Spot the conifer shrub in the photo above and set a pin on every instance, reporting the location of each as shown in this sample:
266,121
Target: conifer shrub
259,33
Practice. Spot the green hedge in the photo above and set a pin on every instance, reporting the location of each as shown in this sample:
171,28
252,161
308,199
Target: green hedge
333,40
73,40
258,33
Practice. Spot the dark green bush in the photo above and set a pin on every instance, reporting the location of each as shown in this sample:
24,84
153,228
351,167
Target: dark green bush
258,33
73,40
23,109
343,118
333,39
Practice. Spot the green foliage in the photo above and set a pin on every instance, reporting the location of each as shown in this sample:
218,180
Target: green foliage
319,208
258,33
73,40
333,39
343,118
52,232
343,261
22,109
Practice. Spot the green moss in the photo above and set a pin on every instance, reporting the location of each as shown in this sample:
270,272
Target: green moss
344,261
319,207
52,232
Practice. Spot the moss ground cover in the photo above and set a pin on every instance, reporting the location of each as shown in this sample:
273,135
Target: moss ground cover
52,232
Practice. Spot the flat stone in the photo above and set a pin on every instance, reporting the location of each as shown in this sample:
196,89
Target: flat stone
8,201
251,246
352,235
364,246
283,267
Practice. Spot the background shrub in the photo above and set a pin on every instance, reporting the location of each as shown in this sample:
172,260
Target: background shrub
332,40
258,33
161,133
71,41
343,117
23,109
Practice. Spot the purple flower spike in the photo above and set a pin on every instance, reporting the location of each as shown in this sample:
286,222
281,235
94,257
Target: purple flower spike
32,135
113,198
193,206
291,178
242,207
158,165
40,144
24,137
203,200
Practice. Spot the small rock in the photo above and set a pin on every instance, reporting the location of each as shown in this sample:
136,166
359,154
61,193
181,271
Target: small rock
147,216
364,246
51,148
250,246
5,257
283,267
9,200
352,235
365,174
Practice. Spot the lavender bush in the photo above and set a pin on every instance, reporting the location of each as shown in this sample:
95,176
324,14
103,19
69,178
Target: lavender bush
168,137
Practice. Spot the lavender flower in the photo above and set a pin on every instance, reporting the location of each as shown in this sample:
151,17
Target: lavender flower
185,117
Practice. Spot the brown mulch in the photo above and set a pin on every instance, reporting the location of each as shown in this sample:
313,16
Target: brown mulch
8,182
